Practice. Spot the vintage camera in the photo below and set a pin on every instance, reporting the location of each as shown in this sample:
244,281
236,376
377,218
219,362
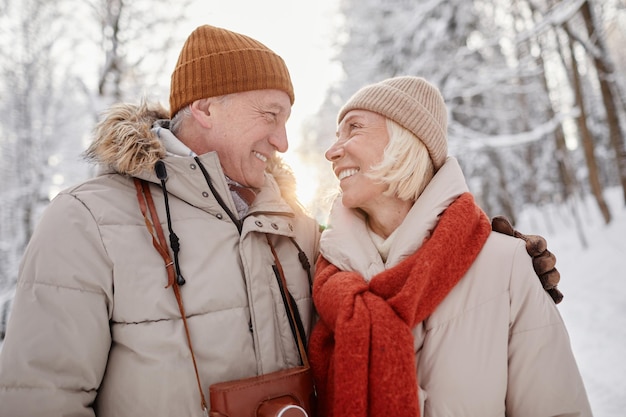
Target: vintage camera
286,393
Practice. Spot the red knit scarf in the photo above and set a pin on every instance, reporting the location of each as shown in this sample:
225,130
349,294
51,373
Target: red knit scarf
361,350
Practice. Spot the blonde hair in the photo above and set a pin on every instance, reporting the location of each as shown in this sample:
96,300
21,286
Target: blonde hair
406,166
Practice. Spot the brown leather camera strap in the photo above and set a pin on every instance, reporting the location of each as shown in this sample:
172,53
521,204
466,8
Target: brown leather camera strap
146,204
288,304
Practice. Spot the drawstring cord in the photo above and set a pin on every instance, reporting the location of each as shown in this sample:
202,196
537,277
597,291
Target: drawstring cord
161,174
218,197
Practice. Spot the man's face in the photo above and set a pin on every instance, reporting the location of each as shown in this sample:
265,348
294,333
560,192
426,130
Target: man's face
246,130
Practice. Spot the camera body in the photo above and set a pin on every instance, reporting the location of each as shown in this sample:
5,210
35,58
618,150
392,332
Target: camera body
286,393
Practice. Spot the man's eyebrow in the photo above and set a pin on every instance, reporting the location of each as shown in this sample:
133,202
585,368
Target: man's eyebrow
275,106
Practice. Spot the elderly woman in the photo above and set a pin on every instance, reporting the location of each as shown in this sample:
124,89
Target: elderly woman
423,310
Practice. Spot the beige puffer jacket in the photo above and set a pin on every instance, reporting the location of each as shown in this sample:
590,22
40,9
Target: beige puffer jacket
496,345
93,329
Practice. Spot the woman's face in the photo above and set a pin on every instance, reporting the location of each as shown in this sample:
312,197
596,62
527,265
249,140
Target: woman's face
361,140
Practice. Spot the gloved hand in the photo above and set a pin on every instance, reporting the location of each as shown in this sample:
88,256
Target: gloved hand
544,261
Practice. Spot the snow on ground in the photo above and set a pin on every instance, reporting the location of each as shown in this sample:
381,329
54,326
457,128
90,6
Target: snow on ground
593,280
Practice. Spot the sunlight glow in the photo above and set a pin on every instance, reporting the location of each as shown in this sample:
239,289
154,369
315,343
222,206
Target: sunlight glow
306,179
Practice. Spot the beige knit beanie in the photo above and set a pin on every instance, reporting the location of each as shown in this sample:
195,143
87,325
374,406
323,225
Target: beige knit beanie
414,104
216,61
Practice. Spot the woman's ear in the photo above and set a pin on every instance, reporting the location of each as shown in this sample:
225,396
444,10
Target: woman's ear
201,111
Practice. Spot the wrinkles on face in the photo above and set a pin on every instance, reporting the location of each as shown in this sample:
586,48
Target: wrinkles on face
361,140
248,131
362,137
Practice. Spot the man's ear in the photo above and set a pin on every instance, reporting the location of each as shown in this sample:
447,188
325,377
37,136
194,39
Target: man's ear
201,111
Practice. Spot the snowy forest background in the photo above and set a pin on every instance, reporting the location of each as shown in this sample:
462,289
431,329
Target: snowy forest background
536,91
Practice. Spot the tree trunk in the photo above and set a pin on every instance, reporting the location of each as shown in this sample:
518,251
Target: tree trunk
568,179
587,140
605,70
503,195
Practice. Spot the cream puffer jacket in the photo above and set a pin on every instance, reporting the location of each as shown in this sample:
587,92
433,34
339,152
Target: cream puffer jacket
496,345
95,331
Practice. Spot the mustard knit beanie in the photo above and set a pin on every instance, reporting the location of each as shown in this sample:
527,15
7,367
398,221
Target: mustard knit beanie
414,104
216,61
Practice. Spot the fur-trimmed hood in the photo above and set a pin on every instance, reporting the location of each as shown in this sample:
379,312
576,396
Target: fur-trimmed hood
125,143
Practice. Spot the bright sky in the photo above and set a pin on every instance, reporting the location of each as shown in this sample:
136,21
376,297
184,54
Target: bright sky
302,33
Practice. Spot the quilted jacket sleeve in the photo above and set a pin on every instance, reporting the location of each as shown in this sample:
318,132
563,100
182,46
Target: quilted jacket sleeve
58,336
543,376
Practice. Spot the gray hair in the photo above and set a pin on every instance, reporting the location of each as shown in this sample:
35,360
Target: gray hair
178,118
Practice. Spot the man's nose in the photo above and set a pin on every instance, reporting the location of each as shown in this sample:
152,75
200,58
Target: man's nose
279,140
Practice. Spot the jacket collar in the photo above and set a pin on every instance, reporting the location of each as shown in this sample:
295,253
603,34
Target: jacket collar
347,244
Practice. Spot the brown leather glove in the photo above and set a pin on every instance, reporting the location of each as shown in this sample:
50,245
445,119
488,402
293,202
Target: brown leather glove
544,261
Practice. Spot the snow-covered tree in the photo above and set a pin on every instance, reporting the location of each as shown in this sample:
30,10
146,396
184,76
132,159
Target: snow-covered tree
126,48
62,63
504,70
34,117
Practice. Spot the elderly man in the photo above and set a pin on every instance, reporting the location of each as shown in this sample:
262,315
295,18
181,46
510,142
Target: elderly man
96,328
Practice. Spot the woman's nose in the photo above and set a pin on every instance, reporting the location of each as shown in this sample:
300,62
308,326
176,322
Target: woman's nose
335,152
